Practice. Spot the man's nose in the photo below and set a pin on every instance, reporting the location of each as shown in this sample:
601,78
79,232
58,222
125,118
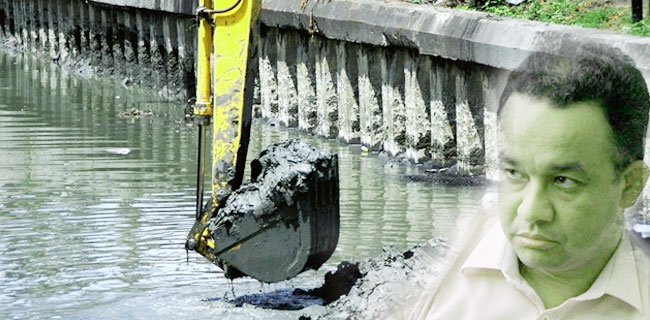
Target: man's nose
535,206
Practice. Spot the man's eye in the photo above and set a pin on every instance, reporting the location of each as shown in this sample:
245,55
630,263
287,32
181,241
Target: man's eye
514,175
565,182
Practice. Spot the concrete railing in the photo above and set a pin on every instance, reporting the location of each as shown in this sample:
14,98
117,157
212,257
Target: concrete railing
410,80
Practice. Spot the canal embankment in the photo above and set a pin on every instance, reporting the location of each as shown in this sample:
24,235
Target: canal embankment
414,82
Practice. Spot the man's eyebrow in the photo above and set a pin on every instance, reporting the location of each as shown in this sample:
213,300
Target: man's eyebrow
571,166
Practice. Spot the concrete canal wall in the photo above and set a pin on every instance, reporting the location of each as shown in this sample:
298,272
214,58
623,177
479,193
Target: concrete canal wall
412,81
147,44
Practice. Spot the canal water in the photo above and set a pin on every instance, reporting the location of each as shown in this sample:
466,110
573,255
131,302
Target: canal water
97,194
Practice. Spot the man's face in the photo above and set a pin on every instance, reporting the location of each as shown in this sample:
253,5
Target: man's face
559,195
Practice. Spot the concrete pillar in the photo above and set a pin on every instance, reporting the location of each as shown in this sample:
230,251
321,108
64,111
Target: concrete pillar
16,17
3,18
171,53
326,95
13,20
6,22
94,35
106,47
21,24
268,82
442,113
306,76
157,52
287,81
6,19
370,96
394,110
35,22
469,118
26,21
186,53
63,28
417,103
129,42
73,28
491,145
42,24
84,28
116,19
346,86
51,29
144,59
493,83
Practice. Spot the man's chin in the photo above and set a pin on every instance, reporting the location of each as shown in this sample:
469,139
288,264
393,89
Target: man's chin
536,259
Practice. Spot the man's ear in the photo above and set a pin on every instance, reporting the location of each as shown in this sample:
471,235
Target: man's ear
634,178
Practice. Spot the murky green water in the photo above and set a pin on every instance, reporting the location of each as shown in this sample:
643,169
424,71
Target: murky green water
87,232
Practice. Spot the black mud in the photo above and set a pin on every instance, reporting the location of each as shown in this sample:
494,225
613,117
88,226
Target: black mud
287,212
278,176
357,289
370,289
381,283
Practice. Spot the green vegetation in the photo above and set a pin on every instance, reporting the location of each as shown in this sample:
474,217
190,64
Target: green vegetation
599,14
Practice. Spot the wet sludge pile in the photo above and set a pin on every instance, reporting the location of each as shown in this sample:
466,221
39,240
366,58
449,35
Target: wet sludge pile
370,289
285,220
291,205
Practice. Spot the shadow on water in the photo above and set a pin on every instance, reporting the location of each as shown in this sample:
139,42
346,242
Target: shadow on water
283,299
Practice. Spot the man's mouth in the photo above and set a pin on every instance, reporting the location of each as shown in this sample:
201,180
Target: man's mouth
534,241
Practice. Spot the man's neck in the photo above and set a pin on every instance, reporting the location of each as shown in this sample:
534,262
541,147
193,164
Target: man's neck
555,288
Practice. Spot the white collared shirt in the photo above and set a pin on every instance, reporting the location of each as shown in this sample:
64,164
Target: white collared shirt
484,283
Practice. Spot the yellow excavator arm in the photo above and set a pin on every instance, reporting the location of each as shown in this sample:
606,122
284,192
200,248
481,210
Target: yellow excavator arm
226,26
286,219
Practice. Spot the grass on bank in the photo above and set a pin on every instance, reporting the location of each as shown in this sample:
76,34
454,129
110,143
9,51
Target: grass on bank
599,14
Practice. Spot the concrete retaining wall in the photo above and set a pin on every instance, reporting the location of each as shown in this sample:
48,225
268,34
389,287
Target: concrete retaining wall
409,80
151,48
389,99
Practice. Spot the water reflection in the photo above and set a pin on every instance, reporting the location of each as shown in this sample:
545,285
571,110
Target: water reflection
85,231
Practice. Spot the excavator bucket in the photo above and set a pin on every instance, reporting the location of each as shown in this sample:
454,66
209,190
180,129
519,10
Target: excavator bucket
286,219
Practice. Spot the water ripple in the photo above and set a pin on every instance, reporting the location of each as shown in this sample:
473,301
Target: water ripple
83,229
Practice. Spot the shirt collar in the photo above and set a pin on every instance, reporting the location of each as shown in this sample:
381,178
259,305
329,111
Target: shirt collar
618,279
489,252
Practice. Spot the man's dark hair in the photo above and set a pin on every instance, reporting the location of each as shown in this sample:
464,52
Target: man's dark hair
596,73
